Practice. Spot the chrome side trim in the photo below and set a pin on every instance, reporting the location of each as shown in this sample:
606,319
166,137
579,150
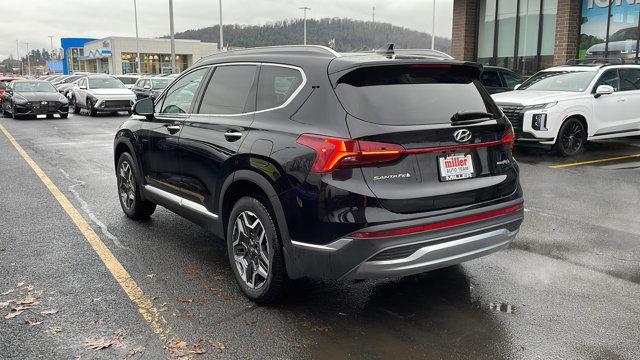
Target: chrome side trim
177,200
334,246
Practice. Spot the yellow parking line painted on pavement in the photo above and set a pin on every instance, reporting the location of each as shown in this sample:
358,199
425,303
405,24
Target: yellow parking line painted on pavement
145,306
595,161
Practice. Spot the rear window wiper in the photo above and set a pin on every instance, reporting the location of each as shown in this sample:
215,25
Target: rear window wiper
470,116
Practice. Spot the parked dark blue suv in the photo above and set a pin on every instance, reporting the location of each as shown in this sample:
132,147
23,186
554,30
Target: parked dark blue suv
337,166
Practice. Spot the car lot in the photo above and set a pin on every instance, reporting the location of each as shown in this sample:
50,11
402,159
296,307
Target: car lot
566,288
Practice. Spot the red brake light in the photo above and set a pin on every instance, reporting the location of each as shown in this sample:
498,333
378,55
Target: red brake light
438,225
508,140
334,152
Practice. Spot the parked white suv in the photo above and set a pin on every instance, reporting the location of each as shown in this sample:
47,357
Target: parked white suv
565,106
101,93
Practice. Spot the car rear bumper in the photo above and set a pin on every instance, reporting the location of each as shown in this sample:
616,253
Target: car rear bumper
394,256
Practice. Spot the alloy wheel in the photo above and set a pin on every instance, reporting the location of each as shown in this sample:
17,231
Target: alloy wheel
126,185
251,249
572,137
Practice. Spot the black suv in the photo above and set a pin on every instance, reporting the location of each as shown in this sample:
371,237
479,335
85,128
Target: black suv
326,165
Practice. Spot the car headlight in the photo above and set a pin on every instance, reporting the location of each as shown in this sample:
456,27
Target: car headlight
539,122
20,101
540,106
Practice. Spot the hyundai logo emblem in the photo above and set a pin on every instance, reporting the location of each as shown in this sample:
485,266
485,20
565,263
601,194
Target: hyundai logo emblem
462,135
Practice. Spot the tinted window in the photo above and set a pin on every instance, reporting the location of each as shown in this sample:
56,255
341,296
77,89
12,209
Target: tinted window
228,90
413,94
490,79
276,85
630,79
127,80
576,81
611,78
181,94
159,84
511,79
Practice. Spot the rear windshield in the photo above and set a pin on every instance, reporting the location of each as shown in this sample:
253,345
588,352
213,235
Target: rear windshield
413,94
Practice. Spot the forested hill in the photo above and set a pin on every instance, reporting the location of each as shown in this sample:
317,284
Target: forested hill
349,35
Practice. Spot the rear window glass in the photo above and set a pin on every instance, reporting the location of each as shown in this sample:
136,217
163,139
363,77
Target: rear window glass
276,85
412,94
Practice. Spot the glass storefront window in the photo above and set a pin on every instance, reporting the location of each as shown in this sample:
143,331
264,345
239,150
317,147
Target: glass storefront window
528,32
547,45
622,38
153,63
486,31
507,11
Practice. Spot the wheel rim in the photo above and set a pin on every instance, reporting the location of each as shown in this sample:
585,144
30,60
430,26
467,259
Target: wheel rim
126,185
572,137
251,250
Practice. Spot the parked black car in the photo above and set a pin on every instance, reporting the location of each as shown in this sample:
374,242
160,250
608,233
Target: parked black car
497,79
29,98
150,87
318,164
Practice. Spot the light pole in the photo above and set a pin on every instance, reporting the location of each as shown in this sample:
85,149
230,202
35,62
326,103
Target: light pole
433,26
305,8
173,39
19,58
221,45
135,12
28,61
51,41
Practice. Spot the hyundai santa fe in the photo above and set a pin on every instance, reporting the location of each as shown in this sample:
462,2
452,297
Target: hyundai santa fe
311,163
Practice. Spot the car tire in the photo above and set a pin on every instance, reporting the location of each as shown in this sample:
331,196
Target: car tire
64,116
76,107
253,243
50,116
14,116
92,112
571,139
129,190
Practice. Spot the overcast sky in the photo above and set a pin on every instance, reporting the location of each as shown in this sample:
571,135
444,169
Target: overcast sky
34,20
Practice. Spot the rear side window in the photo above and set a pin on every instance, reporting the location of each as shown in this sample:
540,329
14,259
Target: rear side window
630,79
276,85
490,79
413,94
229,89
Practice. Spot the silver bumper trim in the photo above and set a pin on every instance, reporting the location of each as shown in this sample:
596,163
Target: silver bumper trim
177,200
334,246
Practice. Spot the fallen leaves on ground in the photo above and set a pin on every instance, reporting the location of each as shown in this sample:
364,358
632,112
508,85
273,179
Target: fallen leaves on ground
151,276
49,312
17,311
198,348
99,344
29,300
133,352
5,304
55,329
213,289
218,277
164,307
217,344
205,302
229,297
193,269
33,322
176,348
185,299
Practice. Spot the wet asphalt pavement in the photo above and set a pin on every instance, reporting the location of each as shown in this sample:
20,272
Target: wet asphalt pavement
567,288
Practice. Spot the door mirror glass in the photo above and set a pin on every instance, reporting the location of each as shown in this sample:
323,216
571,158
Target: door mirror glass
604,90
516,87
143,107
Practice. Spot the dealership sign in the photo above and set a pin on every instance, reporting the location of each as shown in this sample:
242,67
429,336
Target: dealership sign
605,3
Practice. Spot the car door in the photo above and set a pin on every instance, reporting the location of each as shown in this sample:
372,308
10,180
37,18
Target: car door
492,81
80,92
630,93
610,113
212,136
160,135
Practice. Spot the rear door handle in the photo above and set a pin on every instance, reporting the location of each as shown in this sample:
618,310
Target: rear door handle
172,129
232,135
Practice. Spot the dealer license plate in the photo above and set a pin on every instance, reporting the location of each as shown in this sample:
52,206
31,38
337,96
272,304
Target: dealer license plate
455,167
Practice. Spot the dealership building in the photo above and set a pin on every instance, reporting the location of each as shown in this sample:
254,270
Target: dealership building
529,35
116,55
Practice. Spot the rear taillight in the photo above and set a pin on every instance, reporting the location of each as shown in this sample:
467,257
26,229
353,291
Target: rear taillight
332,153
508,139
438,225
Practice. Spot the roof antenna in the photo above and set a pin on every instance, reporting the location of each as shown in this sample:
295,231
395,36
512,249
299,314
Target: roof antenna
386,50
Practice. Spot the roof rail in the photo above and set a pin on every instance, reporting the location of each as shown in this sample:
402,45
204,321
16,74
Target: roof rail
597,61
273,49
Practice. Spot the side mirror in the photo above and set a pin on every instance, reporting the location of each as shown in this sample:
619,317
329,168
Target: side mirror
143,107
516,87
604,90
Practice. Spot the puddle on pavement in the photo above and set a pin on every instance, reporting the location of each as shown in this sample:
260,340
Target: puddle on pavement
418,316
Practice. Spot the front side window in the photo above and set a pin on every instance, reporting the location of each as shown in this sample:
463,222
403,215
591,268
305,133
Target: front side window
229,89
611,78
180,96
575,81
276,85
629,79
